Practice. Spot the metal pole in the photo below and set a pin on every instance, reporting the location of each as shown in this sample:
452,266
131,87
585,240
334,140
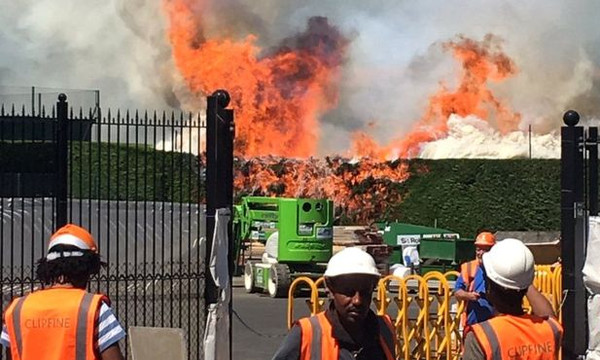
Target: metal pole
32,101
62,146
592,148
530,141
219,184
574,309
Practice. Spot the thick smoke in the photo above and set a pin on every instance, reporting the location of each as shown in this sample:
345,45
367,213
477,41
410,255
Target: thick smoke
117,47
395,59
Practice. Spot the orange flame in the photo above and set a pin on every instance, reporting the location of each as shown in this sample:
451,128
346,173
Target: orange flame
482,62
277,97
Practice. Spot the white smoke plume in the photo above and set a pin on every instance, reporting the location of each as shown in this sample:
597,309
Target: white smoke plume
117,47
395,60
471,137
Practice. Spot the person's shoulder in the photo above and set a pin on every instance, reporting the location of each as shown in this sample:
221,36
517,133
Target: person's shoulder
98,298
542,319
472,348
290,348
384,322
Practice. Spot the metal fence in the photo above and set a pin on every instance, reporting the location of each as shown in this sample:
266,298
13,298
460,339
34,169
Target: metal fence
426,316
136,181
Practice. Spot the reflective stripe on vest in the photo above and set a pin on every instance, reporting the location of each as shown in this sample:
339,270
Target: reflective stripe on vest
315,346
556,331
17,325
314,337
386,336
493,340
81,335
509,337
468,271
82,327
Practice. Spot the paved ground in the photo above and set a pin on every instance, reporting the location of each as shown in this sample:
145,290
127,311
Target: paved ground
265,323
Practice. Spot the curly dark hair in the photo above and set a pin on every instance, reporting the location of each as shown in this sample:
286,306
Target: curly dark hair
64,270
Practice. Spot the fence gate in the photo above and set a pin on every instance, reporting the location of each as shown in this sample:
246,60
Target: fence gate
137,181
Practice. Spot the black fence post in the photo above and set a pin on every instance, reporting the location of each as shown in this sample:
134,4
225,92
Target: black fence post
62,146
219,173
592,169
573,237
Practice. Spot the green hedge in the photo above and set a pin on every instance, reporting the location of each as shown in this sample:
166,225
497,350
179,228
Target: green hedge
462,195
122,172
469,195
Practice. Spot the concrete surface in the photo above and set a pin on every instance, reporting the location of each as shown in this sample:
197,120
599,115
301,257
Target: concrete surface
149,343
265,323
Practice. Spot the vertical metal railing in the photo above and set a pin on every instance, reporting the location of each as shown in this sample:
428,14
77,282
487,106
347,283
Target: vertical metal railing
27,189
137,200
137,182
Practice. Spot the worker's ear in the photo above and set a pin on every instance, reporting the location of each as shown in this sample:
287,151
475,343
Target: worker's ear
328,286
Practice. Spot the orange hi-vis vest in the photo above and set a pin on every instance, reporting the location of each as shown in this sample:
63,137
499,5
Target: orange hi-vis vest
467,272
53,324
318,342
525,337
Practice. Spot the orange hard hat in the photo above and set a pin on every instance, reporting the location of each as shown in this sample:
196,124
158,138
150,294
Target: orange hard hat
485,239
74,235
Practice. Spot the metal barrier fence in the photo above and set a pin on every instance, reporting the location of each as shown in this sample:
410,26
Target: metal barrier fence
424,312
136,181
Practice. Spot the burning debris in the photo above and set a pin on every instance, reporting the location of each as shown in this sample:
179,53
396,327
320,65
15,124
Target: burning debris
362,190
280,93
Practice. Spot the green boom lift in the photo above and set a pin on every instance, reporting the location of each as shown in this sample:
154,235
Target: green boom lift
298,239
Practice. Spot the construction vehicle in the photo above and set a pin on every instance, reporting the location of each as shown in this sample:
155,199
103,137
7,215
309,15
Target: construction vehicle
426,248
297,235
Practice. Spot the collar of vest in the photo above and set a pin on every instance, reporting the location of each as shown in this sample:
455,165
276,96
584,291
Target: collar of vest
342,336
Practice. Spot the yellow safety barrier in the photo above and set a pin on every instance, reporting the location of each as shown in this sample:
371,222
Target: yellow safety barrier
312,302
426,316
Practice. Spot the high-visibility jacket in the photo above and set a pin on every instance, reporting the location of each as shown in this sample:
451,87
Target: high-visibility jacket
53,324
467,272
525,337
318,342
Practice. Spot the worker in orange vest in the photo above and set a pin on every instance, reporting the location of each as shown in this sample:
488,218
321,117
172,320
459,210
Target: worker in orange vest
511,334
63,320
470,285
348,329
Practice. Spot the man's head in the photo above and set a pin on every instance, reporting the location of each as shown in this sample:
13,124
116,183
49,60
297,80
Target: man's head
483,243
72,257
351,277
509,269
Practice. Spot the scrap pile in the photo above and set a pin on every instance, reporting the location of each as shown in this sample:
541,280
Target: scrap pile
362,190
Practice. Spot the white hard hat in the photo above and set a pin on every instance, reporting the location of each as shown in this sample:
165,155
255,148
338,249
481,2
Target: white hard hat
510,264
351,260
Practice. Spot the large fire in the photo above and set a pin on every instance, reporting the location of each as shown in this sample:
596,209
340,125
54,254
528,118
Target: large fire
482,62
279,95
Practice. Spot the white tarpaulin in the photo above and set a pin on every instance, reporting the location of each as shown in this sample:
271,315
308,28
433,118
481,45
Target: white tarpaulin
591,280
217,322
